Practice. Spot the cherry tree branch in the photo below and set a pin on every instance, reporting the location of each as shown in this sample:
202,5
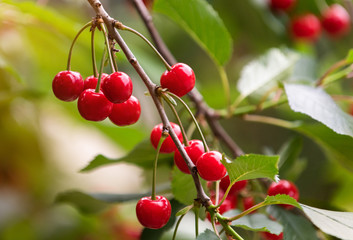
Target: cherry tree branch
195,96
153,90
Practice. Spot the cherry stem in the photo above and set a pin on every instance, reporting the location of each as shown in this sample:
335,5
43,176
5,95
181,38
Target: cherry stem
107,43
333,68
113,55
229,230
177,226
185,138
154,176
194,119
253,208
94,64
121,26
225,195
100,72
73,43
196,211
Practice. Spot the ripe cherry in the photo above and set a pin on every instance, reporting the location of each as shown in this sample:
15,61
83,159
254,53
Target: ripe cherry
179,80
281,5
284,187
306,27
210,167
91,81
94,106
67,85
126,113
117,87
194,151
336,20
153,213
168,145
271,236
237,186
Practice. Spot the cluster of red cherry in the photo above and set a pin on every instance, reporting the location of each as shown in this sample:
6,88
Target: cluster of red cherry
335,20
113,98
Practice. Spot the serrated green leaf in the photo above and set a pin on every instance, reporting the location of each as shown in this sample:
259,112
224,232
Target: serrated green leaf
251,166
273,66
316,103
143,155
349,57
83,202
207,235
202,22
282,199
183,187
338,224
295,227
255,222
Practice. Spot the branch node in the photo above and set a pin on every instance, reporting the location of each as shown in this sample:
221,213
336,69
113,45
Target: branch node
133,61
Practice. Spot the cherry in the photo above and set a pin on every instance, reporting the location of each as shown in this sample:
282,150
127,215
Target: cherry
94,106
210,167
168,145
284,187
153,213
179,80
117,87
67,85
271,236
91,81
306,27
194,151
336,20
126,113
282,5
237,186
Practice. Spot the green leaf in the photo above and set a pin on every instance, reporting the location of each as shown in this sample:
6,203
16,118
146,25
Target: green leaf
281,199
251,166
202,22
338,224
289,153
183,187
207,235
349,57
275,65
143,155
295,227
83,202
316,103
255,222
337,147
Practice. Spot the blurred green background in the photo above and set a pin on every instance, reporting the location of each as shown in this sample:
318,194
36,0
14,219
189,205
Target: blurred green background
45,142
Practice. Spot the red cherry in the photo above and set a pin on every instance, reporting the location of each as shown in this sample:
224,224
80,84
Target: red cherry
179,80
153,213
168,145
91,81
282,5
237,186
270,236
194,151
67,85
117,87
336,20
126,113
248,202
306,27
94,106
210,167
284,187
